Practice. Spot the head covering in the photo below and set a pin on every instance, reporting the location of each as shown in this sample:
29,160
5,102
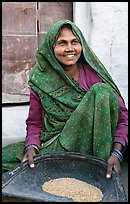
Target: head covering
49,71
74,120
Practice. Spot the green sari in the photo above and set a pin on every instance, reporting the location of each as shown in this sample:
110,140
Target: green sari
74,120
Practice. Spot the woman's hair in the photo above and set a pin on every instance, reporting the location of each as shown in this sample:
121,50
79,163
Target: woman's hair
66,26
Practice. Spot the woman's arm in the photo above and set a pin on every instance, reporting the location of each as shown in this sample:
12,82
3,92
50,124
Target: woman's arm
121,134
120,140
34,122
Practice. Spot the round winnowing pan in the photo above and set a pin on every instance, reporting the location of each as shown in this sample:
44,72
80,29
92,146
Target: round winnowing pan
25,183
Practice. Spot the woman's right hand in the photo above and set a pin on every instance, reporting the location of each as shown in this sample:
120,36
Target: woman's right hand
113,163
30,153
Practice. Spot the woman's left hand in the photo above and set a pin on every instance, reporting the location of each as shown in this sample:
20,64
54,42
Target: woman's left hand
113,163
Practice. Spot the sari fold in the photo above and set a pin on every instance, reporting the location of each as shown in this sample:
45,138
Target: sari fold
74,120
90,128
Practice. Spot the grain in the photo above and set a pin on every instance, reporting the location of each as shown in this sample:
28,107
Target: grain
73,188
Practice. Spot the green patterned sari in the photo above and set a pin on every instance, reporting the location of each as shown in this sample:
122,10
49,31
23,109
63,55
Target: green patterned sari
74,120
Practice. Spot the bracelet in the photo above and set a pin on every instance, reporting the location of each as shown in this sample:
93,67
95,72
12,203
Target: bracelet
32,145
117,153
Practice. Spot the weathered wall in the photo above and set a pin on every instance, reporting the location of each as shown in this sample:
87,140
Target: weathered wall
24,25
105,26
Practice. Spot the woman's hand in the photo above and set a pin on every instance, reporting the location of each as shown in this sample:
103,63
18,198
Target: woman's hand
113,163
30,153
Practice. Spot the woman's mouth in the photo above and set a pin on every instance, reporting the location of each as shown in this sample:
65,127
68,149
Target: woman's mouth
70,56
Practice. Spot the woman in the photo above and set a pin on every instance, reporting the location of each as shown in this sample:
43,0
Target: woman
74,103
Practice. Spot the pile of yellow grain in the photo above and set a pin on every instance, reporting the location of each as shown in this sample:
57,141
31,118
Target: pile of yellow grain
73,188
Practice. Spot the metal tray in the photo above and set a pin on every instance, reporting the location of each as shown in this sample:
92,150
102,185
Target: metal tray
26,183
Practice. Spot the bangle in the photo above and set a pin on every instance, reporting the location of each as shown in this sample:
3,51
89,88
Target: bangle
117,153
32,145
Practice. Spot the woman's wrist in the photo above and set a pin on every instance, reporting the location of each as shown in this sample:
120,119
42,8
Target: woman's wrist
118,154
117,151
31,146
118,146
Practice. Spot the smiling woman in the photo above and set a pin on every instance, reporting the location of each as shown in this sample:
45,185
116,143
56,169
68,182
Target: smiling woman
67,45
67,51
75,106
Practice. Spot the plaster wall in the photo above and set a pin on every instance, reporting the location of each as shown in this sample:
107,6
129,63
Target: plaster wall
105,27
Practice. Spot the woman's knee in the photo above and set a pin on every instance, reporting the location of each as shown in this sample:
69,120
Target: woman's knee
103,91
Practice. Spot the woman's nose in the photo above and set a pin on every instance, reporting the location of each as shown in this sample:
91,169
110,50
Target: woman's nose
69,48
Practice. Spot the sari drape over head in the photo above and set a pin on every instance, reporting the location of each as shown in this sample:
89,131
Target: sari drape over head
74,120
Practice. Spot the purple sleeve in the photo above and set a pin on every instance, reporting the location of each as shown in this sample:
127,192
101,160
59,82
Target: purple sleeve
121,134
34,122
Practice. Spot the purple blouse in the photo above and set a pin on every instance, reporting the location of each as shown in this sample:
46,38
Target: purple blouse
87,78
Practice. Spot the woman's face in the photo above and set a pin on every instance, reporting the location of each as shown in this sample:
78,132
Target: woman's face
68,48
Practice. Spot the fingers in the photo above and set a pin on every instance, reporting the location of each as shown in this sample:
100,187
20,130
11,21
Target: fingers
117,168
113,163
110,165
109,171
24,159
29,156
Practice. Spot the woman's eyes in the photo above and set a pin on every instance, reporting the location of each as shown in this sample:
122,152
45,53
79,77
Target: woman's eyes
62,43
75,42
